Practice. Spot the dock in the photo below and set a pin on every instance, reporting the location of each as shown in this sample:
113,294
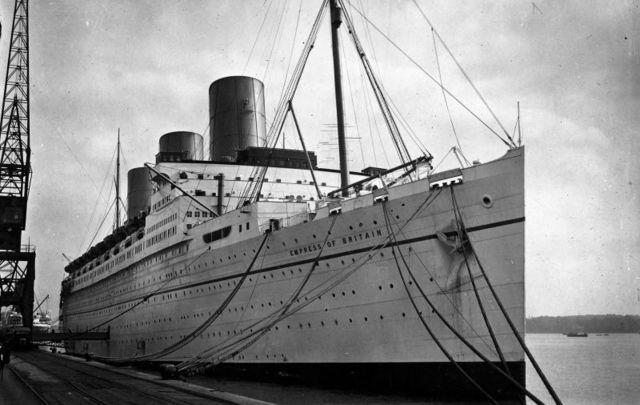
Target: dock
38,377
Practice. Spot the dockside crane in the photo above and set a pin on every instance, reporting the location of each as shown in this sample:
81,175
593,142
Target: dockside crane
17,261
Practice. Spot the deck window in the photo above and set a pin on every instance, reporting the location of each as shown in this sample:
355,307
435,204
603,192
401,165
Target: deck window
216,235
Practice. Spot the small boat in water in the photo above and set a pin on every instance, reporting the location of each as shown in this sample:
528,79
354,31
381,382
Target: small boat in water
577,334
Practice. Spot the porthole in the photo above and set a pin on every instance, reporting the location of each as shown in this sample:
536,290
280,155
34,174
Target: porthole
487,201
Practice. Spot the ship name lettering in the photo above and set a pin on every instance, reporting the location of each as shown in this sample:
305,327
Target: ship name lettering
310,248
360,236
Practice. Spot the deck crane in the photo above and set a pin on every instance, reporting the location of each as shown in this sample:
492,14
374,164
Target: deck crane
17,261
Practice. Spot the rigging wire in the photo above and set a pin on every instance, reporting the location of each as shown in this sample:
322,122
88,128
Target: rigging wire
431,77
56,131
433,30
396,110
102,222
353,104
369,104
442,160
405,124
275,41
293,43
398,142
370,116
444,95
253,47
252,190
100,195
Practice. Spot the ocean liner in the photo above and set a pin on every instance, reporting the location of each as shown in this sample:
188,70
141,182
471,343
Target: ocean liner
257,262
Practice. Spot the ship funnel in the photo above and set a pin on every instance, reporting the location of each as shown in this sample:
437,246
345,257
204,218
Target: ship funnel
180,146
139,190
236,116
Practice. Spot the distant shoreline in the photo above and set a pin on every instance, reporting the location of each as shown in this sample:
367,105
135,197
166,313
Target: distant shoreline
584,323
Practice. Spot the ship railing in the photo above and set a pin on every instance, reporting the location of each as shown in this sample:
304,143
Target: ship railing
364,186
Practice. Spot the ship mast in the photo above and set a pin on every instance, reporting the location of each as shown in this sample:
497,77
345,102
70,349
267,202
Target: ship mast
117,223
336,20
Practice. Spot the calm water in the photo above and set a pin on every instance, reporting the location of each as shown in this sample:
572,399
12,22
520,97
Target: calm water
594,370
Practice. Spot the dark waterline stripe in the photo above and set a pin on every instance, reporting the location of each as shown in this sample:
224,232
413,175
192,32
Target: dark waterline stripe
311,260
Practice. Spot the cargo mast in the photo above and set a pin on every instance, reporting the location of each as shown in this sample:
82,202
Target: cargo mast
118,200
336,21
17,262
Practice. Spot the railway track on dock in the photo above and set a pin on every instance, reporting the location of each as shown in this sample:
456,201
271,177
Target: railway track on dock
56,380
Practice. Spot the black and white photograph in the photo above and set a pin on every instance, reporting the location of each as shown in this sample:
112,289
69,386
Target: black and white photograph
320,202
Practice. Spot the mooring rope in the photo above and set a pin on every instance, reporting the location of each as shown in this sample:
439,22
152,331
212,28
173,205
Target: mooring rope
200,358
533,361
317,292
419,313
196,332
463,238
447,323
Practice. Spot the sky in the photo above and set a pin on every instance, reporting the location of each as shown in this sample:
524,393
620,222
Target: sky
144,67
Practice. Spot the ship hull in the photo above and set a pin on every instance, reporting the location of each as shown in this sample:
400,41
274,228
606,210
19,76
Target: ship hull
355,318
427,380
